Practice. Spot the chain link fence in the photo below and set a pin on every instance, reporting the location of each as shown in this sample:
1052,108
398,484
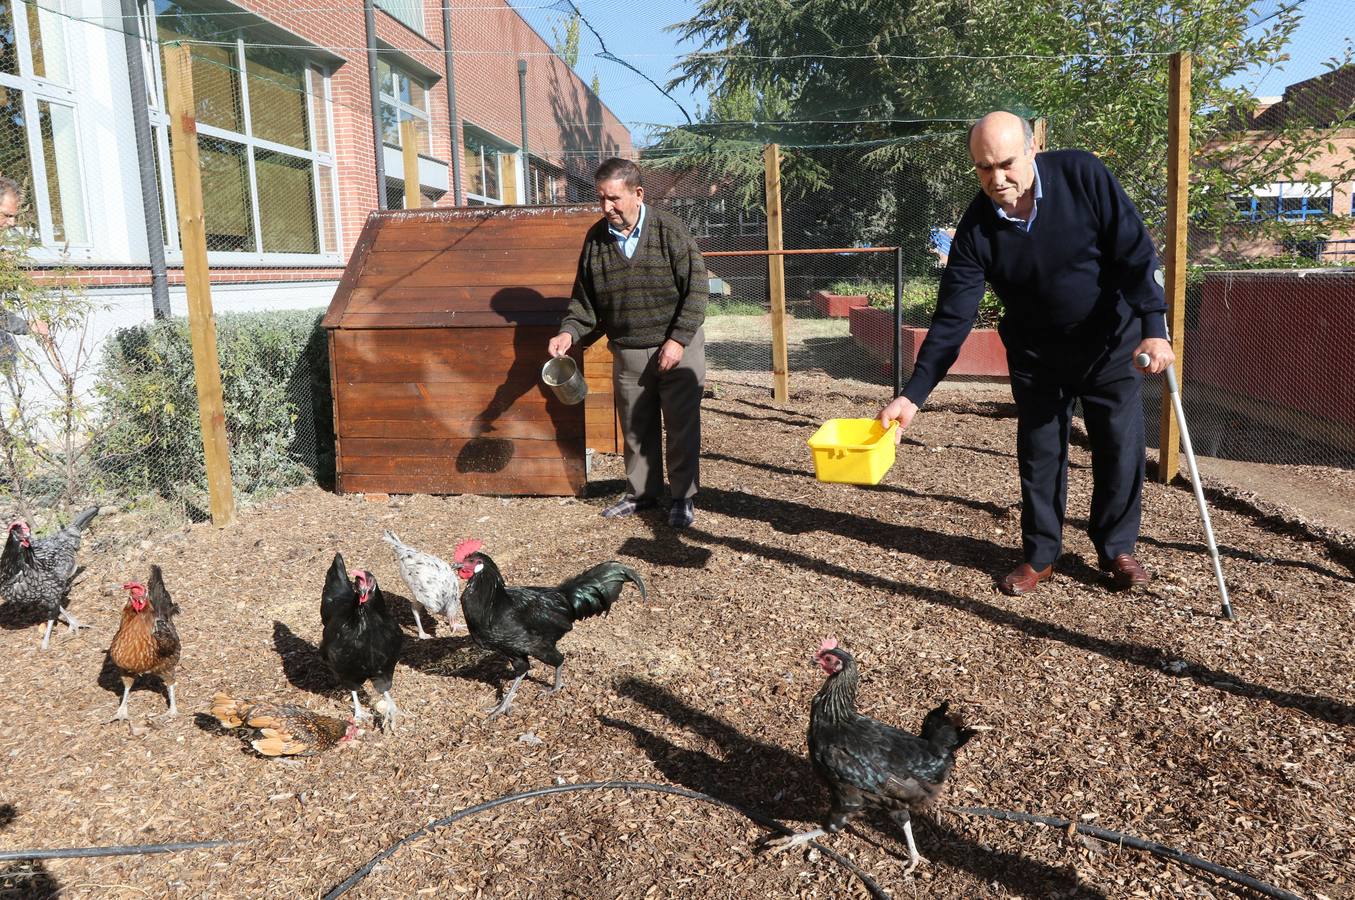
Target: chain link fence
871,128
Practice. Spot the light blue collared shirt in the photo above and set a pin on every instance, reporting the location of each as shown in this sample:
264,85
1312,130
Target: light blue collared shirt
630,241
1023,224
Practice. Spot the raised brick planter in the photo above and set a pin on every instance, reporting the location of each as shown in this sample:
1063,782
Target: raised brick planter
982,353
836,306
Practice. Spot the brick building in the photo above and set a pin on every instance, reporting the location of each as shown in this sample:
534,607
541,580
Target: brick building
286,132
1327,199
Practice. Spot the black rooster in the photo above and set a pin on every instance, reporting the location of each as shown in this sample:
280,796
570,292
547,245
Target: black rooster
361,641
863,761
522,622
39,572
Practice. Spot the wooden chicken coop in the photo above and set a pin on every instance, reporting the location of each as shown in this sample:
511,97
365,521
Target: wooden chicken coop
437,334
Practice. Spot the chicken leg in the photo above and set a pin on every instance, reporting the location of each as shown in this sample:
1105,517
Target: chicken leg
790,841
122,708
423,635
359,714
73,625
559,680
173,708
904,820
507,702
390,713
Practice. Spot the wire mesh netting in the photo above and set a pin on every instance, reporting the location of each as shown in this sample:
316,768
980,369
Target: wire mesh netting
517,104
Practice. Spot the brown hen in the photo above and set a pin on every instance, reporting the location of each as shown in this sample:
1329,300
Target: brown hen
147,642
283,729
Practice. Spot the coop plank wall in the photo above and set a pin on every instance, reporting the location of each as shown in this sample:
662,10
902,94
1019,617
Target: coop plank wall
437,337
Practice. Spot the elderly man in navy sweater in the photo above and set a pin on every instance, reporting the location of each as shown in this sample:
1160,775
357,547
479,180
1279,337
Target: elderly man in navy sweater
1067,254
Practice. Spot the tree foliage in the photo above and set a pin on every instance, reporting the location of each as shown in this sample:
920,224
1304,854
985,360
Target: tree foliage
892,84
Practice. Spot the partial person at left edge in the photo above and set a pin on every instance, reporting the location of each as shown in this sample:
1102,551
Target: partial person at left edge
11,323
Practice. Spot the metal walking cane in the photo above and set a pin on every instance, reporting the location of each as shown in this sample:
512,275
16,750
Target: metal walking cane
1143,359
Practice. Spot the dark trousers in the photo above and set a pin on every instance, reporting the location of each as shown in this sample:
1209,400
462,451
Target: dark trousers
1044,384
652,402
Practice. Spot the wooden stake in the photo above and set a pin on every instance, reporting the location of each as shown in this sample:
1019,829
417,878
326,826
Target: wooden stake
409,139
1039,130
197,280
776,274
1178,187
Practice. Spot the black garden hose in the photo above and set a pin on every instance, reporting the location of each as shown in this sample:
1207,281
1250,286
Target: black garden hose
875,890
1126,840
1123,840
129,850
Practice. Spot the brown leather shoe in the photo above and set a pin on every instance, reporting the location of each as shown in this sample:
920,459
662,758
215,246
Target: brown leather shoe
1024,579
1127,573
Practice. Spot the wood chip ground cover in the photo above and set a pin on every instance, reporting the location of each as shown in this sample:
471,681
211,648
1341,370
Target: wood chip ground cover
1140,713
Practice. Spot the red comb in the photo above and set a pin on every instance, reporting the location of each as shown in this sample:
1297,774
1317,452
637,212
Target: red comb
133,586
466,548
829,643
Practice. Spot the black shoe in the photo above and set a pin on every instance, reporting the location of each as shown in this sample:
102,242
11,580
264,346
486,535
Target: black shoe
681,514
627,506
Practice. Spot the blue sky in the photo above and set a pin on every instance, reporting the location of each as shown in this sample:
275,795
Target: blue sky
1326,28
635,32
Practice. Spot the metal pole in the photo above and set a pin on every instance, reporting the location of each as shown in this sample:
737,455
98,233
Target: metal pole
1142,359
898,320
373,84
145,158
522,107
451,100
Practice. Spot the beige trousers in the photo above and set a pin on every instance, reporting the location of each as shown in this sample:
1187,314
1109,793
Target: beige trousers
652,402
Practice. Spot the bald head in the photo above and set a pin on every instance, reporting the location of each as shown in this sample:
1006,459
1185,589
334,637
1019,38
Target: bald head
1003,149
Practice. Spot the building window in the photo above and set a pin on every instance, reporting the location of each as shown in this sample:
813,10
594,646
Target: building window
39,133
407,12
752,222
404,98
1292,201
548,184
490,169
265,139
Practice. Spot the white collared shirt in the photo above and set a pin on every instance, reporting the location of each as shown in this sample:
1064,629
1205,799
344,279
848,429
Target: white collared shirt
1024,224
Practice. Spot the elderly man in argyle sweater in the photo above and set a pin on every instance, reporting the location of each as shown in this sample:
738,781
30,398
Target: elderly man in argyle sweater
642,283
1066,252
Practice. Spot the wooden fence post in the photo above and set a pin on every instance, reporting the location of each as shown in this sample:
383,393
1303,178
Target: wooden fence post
1178,189
776,273
409,144
197,280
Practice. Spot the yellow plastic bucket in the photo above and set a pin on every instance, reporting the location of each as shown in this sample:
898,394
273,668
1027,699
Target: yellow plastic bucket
852,451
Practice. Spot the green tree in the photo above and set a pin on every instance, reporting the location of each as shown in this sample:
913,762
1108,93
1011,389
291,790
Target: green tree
890,86
567,42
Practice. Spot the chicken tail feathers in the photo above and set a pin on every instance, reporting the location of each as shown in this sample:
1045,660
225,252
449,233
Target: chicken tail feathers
399,546
82,520
164,606
944,731
593,592
231,713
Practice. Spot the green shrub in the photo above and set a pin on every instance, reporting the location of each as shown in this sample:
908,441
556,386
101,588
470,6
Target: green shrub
919,299
733,306
275,384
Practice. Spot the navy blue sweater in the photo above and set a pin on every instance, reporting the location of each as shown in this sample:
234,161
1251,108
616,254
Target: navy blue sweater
1083,270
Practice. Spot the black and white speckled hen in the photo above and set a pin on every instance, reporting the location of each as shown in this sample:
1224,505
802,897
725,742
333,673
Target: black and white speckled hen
38,572
866,762
361,640
523,622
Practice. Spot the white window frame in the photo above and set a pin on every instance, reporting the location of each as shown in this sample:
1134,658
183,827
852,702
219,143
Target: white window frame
555,179
34,90
408,13
393,100
504,149
317,158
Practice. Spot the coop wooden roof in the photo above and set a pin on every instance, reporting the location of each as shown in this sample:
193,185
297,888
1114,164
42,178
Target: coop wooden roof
461,267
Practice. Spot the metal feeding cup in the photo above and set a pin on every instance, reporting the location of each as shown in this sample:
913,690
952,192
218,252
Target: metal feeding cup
561,374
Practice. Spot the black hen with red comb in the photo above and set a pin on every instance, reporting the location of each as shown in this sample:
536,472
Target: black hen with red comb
524,623
865,762
37,572
361,640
